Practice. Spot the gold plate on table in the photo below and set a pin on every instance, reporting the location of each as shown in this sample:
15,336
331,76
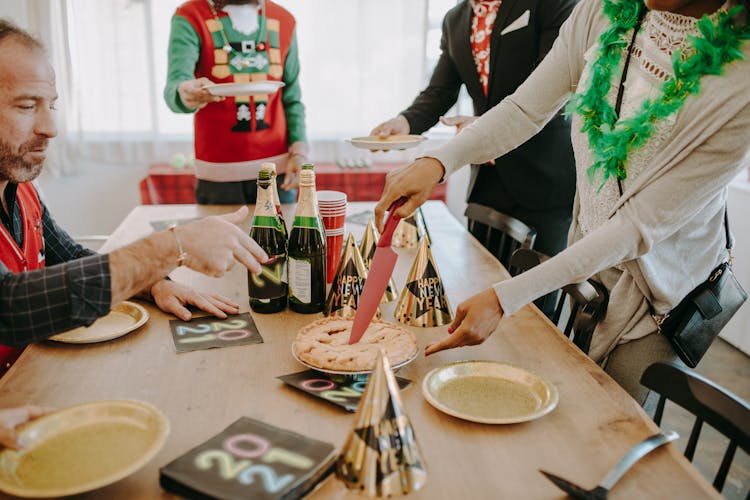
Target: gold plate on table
260,87
489,392
82,448
387,143
123,318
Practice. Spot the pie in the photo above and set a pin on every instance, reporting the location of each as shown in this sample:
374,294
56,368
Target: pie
325,344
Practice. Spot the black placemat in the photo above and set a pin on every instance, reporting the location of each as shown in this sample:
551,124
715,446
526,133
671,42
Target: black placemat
208,332
342,390
250,459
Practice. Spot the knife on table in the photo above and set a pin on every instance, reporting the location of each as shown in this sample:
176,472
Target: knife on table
381,269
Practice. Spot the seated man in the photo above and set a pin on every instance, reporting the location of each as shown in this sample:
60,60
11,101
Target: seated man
48,283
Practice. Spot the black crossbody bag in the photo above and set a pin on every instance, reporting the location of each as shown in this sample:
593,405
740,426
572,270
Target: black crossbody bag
693,324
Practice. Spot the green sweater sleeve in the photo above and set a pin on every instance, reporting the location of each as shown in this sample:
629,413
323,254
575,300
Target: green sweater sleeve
292,96
182,56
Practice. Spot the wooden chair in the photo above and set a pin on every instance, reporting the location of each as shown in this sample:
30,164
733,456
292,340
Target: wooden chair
501,234
709,402
587,300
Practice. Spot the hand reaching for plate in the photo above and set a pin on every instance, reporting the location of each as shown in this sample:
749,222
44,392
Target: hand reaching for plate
395,126
458,121
194,95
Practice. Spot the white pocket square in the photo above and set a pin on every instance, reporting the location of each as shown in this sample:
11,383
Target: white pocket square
521,22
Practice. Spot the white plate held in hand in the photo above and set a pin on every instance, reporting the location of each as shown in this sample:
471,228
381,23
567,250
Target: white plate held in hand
387,143
262,87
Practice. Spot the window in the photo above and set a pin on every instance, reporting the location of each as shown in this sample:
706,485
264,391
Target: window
362,62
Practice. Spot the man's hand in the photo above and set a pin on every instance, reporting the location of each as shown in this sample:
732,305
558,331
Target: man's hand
11,418
194,96
215,243
458,121
415,182
476,318
394,126
172,297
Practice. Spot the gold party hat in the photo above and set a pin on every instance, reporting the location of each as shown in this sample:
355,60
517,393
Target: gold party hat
347,283
367,248
381,457
410,231
423,300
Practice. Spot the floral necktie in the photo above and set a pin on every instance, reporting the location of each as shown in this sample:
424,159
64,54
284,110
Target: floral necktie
485,12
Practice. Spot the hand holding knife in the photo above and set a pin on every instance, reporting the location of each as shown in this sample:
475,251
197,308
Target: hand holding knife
383,262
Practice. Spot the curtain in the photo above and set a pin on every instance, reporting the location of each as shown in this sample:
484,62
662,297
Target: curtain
362,62
45,20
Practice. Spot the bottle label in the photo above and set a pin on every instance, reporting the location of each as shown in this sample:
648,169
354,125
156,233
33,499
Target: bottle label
271,221
271,283
300,285
309,222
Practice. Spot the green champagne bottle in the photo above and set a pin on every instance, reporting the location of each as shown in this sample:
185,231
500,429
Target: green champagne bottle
311,168
276,199
268,291
307,251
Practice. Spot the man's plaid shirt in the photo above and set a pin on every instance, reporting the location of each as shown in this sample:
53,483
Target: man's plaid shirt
72,290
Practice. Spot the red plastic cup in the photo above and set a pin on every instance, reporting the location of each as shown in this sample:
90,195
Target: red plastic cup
334,246
333,221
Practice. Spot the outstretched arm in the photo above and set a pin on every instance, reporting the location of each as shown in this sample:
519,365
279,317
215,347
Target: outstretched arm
38,304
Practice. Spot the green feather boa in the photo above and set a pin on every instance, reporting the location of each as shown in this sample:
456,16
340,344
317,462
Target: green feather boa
611,139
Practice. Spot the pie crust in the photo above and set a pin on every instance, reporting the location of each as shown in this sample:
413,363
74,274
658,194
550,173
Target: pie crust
325,344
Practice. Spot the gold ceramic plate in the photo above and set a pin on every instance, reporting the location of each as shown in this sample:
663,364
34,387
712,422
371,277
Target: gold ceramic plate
489,392
261,87
82,448
123,318
387,143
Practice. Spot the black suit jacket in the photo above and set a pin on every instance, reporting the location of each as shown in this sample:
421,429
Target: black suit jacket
539,174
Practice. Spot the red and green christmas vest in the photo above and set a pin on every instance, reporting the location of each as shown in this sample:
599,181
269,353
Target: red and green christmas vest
28,258
240,128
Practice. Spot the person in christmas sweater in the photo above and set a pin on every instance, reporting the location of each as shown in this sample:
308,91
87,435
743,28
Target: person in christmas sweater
238,41
49,283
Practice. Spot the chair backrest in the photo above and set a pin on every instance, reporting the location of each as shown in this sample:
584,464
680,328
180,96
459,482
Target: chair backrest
501,234
709,402
586,300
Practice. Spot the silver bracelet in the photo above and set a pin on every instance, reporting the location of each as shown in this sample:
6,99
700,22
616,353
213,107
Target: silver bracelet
182,257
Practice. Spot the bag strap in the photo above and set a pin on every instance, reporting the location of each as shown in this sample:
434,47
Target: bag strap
624,76
618,105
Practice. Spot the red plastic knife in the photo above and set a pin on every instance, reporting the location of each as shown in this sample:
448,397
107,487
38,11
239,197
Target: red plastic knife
381,269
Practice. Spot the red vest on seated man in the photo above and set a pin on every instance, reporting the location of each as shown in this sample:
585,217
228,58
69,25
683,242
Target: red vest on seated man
28,258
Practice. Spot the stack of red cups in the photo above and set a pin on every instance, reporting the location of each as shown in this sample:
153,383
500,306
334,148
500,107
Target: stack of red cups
332,206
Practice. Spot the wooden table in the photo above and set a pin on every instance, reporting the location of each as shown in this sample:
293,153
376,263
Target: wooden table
202,392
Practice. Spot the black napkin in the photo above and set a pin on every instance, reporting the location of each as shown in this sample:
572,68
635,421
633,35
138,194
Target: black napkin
250,459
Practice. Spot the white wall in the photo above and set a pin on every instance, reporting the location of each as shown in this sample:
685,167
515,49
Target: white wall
93,200
737,332
14,10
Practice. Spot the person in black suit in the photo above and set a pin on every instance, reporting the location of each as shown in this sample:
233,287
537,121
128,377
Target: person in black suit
536,182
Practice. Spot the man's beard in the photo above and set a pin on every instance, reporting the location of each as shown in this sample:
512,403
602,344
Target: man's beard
14,168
